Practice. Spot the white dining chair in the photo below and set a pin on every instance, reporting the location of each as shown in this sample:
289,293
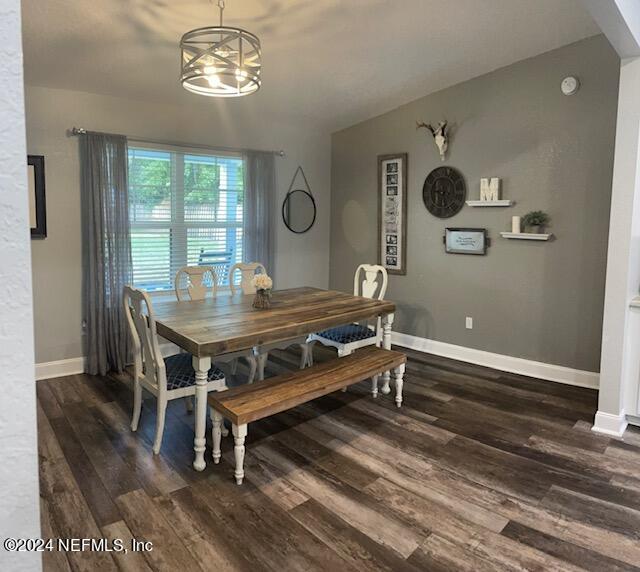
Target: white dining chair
247,271
165,378
193,283
370,281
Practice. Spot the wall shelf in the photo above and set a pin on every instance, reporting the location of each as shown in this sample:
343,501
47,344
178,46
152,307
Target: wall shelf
500,203
525,236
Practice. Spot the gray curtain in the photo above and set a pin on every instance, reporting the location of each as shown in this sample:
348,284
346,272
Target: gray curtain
106,244
260,209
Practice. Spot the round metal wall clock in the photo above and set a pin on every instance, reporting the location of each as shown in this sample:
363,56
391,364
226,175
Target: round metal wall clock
444,192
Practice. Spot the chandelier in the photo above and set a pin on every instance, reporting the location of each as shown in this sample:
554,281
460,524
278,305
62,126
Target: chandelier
220,61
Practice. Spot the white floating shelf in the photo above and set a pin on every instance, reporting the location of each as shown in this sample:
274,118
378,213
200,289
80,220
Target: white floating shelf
525,235
500,203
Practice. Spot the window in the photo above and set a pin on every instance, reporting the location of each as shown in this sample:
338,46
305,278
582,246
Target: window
185,209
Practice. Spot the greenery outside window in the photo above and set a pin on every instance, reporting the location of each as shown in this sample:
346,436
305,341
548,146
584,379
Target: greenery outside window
186,209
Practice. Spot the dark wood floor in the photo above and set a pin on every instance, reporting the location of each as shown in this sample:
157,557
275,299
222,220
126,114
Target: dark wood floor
479,470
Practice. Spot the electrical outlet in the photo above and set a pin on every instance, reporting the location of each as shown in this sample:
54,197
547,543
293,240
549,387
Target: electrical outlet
469,323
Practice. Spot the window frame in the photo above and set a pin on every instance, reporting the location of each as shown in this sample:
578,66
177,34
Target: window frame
177,226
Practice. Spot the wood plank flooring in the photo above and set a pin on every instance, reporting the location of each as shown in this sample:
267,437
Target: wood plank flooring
479,470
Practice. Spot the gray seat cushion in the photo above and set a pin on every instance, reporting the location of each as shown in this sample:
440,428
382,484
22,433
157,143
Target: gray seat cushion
180,372
348,334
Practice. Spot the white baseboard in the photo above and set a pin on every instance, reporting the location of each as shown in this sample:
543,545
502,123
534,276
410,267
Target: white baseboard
609,424
501,362
74,366
511,364
59,368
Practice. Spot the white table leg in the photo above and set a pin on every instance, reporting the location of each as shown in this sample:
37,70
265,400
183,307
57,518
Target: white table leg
387,322
201,365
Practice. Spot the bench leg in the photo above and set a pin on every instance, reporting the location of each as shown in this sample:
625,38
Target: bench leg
399,375
216,433
387,322
374,386
239,433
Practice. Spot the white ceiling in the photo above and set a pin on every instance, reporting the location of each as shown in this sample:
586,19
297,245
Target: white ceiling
327,63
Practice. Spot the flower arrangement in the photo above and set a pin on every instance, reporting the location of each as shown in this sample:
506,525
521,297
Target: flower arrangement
262,282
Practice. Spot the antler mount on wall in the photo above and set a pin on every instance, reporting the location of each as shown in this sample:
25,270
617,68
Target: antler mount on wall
440,136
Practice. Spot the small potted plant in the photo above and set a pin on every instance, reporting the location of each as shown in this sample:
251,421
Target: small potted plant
263,284
535,221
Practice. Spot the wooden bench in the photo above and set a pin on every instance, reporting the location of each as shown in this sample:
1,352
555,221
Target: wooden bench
242,405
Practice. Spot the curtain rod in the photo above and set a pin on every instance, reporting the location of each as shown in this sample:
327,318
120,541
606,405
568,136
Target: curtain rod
75,131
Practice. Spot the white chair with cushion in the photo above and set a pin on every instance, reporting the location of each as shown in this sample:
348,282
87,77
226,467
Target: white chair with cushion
193,283
370,281
165,378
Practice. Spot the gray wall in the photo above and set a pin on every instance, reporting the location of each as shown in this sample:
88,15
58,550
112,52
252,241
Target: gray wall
301,259
540,301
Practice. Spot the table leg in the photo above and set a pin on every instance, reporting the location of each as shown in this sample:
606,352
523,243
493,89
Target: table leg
387,322
201,365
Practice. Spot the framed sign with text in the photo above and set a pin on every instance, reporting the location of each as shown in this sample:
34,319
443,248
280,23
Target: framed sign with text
466,240
392,212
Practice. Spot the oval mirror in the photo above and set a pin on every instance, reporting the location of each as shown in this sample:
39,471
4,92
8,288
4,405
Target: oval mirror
299,211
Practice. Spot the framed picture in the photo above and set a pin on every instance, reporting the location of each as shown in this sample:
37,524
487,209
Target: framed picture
392,212
466,241
37,204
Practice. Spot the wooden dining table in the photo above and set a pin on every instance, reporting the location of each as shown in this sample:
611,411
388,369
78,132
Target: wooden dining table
228,323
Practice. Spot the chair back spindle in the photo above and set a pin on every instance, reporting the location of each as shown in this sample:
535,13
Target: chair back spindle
148,362
366,281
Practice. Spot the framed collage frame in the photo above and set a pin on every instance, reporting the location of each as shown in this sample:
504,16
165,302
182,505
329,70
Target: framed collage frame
392,212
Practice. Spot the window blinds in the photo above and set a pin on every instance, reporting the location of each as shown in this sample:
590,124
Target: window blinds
186,209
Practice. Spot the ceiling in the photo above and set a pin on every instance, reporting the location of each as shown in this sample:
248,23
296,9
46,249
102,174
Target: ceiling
326,63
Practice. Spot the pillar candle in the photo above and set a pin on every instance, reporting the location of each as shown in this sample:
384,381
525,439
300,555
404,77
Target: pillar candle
515,224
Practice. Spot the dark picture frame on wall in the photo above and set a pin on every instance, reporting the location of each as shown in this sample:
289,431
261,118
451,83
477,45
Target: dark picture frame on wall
392,212
466,241
37,201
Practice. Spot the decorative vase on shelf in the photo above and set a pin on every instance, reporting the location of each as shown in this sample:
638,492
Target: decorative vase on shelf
262,300
534,229
263,284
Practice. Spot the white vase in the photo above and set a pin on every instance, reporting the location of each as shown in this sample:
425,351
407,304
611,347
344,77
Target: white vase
516,224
